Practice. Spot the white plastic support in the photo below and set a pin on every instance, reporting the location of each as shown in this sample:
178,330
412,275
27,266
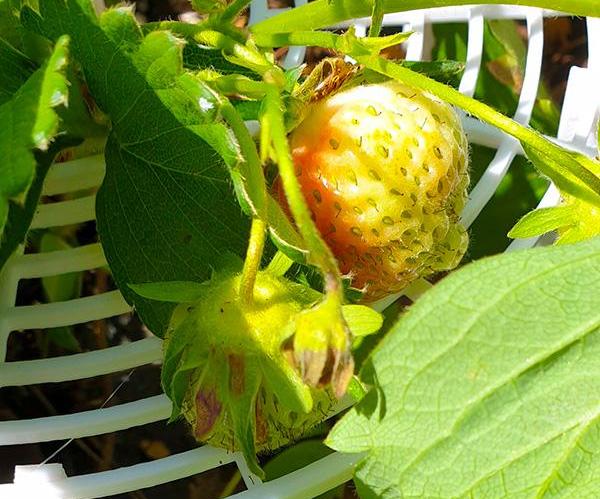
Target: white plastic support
415,44
310,481
81,365
85,424
121,480
493,175
32,481
468,81
49,481
70,212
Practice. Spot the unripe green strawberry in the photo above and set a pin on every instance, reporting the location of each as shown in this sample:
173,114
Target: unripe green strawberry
227,371
383,168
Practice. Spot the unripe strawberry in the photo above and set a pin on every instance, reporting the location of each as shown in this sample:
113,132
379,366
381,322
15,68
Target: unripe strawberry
383,168
227,371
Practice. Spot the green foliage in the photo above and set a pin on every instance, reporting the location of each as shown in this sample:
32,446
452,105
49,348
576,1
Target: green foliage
174,212
30,124
543,220
173,291
295,457
362,320
488,386
197,56
225,369
575,220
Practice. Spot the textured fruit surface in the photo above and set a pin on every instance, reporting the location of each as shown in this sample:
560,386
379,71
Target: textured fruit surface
383,168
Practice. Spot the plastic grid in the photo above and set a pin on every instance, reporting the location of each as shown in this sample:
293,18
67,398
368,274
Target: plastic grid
50,481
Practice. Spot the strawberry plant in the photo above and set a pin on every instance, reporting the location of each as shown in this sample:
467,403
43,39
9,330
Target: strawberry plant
253,251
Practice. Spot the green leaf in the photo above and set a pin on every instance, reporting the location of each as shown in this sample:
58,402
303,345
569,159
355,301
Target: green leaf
574,176
362,320
448,72
16,69
165,210
170,291
174,348
543,220
489,386
29,124
242,405
280,264
248,109
197,56
356,389
63,337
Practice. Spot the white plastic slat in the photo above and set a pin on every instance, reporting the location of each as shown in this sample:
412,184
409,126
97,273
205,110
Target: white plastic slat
70,212
451,15
81,365
78,259
85,424
67,177
125,479
415,44
580,106
493,175
486,135
468,82
259,11
593,34
64,313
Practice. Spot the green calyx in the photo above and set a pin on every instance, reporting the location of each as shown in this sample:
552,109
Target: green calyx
234,368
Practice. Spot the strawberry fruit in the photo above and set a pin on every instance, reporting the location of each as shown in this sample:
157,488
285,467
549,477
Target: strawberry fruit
383,168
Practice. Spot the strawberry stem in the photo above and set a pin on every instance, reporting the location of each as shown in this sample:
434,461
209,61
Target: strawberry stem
376,18
319,251
232,11
256,246
251,169
250,164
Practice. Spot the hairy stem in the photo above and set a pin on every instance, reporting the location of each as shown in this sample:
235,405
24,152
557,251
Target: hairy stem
251,166
251,169
256,246
240,53
233,10
319,251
